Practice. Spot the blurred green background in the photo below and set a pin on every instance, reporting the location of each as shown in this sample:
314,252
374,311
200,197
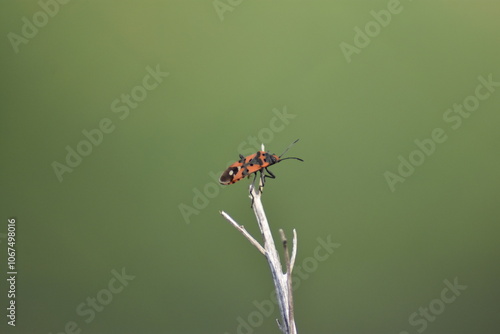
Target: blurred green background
133,203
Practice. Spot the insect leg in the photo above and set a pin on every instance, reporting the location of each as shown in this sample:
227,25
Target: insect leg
271,175
263,178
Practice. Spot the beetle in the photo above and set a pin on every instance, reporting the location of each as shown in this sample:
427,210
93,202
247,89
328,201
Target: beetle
257,162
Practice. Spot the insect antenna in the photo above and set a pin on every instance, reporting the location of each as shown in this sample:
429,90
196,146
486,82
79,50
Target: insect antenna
292,158
286,150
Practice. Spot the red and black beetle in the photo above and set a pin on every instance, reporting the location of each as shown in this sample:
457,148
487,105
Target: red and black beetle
257,162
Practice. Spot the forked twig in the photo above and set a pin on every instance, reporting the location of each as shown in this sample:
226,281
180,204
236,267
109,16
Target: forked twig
282,281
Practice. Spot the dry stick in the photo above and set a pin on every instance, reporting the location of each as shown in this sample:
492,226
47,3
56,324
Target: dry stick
289,273
282,281
243,231
294,250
